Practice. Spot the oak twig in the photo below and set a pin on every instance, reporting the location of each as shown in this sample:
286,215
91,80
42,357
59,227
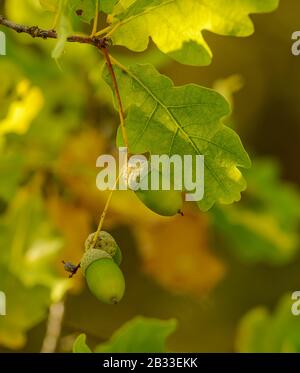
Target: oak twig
37,32
117,93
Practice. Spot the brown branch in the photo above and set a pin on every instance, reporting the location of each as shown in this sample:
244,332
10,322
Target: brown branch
37,32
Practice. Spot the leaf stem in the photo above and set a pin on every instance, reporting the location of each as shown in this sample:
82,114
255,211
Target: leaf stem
112,30
103,31
117,94
95,25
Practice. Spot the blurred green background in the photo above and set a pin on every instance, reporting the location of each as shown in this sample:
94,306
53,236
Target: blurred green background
208,270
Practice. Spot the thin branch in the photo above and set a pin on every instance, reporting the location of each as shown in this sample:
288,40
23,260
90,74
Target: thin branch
37,32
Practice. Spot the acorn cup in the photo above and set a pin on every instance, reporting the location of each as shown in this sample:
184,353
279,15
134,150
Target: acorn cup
107,243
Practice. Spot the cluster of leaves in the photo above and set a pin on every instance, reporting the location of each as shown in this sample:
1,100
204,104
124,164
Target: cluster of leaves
188,119
264,227
27,275
260,331
31,244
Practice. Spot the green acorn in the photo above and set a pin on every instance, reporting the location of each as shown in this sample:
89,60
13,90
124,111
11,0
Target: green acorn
118,256
163,202
104,277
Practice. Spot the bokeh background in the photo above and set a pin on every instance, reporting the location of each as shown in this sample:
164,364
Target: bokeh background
226,275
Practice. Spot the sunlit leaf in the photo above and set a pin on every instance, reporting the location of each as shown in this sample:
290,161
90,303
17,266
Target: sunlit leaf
50,5
164,119
29,101
176,26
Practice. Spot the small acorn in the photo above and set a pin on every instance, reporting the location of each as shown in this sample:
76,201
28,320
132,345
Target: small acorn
104,277
162,202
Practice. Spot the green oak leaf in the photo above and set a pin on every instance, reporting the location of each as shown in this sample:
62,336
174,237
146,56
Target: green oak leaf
176,26
32,245
262,332
64,29
80,345
50,5
164,119
264,227
29,251
84,9
140,335
107,6
26,306
10,161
